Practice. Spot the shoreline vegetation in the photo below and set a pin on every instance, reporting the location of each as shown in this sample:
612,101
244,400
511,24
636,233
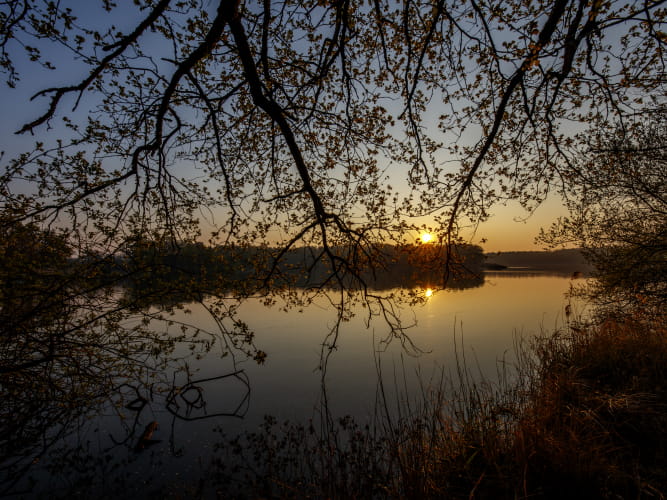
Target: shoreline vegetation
583,414
391,266
567,261
152,274
146,270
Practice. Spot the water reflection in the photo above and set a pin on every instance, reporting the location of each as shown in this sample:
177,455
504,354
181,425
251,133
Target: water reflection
191,401
155,421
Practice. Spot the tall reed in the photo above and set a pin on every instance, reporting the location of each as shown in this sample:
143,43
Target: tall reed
582,414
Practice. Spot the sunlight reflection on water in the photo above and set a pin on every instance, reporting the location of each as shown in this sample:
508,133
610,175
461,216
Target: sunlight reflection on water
480,325
484,322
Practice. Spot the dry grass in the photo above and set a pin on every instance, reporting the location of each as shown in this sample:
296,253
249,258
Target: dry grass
596,422
585,416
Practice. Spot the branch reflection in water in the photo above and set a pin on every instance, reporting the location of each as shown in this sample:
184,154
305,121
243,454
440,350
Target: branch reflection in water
191,390
56,441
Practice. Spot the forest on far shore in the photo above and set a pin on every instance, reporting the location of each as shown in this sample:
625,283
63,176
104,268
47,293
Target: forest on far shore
570,260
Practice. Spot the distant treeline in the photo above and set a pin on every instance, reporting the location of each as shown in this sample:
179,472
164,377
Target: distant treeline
200,269
568,261
153,273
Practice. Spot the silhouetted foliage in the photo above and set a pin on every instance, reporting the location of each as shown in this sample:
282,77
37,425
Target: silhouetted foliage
274,129
618,205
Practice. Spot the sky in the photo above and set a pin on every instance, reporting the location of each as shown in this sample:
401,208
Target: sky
509,228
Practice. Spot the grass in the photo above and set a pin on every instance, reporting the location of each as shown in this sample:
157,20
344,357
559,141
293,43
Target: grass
584,416
597,418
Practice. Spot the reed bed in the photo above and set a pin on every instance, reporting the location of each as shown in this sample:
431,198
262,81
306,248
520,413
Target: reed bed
582,414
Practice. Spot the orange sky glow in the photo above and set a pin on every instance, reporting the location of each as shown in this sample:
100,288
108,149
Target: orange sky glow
510,228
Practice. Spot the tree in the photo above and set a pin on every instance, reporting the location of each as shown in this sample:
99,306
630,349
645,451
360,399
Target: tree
287,123
618,205
266,126
282,108
32,271
291,123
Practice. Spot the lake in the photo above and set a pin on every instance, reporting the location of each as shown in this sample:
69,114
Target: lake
476,327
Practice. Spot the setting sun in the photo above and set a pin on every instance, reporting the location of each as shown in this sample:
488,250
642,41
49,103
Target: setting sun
426,237
428,292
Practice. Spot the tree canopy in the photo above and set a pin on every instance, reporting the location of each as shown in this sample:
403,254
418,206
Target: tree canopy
618,214
337,126
303,121
333,129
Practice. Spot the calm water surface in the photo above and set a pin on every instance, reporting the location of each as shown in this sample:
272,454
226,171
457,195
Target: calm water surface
482,324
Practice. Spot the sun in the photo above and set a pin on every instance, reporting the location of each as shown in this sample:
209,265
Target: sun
426,237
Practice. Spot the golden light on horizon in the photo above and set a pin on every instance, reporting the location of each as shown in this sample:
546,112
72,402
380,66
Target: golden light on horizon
428,292
426,237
